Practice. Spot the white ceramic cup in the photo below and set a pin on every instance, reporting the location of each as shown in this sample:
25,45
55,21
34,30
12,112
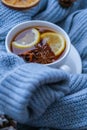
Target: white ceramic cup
60,62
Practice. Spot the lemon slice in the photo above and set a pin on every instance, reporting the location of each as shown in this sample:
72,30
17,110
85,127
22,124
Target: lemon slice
56,42
21,4
30,39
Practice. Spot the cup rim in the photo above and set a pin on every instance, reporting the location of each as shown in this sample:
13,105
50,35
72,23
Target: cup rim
50,25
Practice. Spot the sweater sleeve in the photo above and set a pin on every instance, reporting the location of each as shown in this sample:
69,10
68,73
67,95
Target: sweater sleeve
28,89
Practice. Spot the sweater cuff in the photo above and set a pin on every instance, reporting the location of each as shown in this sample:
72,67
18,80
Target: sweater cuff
28,91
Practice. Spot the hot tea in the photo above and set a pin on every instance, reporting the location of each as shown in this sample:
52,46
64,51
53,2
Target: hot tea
39,45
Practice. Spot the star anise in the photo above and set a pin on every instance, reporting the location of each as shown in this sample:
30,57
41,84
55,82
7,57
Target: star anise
66,3
41,54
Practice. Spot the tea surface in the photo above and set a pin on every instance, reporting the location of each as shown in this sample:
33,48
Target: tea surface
39,45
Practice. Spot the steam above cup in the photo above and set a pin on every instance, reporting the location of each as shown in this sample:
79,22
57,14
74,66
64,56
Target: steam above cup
60,62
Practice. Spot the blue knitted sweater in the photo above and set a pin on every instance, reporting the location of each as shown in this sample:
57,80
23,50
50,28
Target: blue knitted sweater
37,95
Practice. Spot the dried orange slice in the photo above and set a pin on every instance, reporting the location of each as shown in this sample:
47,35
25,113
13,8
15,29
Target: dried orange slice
56,42
20,3
29,40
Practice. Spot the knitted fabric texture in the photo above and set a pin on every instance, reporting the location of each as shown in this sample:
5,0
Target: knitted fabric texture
37,95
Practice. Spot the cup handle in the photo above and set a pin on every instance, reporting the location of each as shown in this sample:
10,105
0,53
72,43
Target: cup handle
65,68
